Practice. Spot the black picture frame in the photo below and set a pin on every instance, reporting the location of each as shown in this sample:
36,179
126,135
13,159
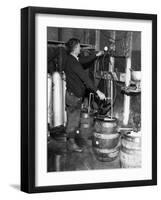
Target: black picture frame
28,91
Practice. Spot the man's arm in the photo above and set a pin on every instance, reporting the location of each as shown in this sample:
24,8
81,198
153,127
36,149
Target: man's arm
84,77
90,58
87,59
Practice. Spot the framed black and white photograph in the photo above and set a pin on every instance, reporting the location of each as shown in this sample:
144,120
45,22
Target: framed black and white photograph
88,99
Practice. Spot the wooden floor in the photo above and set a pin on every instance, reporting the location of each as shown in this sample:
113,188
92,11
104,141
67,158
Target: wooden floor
59,159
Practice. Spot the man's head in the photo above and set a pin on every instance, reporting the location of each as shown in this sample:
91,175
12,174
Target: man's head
73,46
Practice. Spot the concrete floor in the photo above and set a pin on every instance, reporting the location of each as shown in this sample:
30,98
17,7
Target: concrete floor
59,159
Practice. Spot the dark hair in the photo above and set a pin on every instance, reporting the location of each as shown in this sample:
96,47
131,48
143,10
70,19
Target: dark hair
71,44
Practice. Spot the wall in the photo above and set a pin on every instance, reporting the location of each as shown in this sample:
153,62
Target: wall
87,36
10,100
64,34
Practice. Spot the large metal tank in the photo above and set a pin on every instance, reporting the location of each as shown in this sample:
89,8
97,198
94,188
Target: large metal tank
58,112
49,100
64,103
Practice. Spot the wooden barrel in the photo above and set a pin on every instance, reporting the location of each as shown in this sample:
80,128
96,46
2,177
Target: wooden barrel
130,153
86,120
86,124
106,145
105,125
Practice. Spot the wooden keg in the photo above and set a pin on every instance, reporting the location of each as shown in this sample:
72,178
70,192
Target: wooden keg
86,120
106,145
130,153
105,125
86,125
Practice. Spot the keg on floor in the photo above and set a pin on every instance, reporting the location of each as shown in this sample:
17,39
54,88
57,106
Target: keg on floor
106,139
130,153
86,120
86,124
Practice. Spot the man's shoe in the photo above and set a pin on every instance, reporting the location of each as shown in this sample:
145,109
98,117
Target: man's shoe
81,142
72,146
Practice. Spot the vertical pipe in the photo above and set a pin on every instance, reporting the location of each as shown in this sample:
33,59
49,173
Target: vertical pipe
49,100
111,64
86,36
128,71
127,81
97,48
57,99
64,103
111,98
126,109
89,104
112,59
59,34
111,69
97,40
128,59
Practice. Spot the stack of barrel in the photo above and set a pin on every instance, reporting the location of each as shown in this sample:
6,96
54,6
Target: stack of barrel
130,154
106,139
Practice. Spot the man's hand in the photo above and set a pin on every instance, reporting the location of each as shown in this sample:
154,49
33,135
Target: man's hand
101,95
100,53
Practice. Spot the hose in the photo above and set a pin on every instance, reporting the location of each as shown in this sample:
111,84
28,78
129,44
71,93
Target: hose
100,102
